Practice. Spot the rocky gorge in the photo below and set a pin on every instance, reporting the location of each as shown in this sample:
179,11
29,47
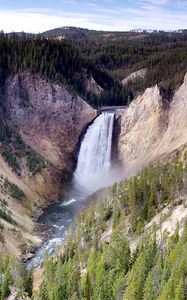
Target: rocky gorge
51,121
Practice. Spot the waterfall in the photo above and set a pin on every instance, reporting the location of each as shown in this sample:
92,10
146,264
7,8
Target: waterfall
93,172
94,160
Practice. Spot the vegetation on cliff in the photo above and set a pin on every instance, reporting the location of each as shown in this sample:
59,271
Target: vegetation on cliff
84,54
72,61
13,149
14,278
155,271
91,268
95,268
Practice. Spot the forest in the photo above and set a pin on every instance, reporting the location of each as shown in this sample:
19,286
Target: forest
59,62
90,268
93,269
163,54
71,61
111,272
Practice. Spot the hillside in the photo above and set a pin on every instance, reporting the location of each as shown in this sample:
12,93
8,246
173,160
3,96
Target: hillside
162,54
76,33
43,89
139,227
159,123
35,161
100,259
120,54
107,268
110,57
61,63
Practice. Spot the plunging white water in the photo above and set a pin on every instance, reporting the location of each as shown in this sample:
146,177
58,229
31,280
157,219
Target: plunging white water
94,160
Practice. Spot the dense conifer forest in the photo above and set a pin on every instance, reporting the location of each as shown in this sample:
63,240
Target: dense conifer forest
121,53
60,62
163,54
72,60
91,268
153,272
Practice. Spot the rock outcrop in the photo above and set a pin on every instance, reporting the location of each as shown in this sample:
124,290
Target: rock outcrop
152,128
51,121
92,86
140,74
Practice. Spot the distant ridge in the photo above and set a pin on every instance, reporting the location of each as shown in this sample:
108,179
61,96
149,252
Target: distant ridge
78,33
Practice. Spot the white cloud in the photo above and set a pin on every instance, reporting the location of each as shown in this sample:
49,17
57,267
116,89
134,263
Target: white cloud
92,4
156,2
121,19
35,21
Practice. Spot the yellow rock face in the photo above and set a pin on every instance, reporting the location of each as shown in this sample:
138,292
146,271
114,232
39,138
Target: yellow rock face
151,129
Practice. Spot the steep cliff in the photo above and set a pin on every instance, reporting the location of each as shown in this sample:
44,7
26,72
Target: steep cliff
42,124
152,127
50,120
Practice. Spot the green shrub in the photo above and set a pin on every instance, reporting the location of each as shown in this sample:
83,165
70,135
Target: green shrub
15,191
35,162
19,145
11,160
107,214
5,216
1,226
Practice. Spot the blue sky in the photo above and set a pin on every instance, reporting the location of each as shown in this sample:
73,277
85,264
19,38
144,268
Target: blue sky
40,15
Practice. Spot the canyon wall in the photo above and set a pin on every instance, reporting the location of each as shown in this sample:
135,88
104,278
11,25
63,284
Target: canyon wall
152,127
51,122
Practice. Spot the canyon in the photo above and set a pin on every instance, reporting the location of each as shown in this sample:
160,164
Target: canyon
53,121
93,165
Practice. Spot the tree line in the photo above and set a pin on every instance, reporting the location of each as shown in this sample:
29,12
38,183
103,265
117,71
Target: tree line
163,54
60,62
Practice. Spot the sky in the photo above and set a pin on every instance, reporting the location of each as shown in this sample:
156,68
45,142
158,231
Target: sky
40,15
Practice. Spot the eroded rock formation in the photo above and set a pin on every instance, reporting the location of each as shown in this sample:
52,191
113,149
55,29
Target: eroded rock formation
151,128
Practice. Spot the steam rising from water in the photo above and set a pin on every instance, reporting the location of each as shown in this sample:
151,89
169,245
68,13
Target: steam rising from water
94,161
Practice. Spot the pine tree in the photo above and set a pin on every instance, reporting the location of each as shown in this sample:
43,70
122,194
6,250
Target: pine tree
6,283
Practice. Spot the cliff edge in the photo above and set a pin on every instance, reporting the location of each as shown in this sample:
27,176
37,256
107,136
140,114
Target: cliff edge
152,127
